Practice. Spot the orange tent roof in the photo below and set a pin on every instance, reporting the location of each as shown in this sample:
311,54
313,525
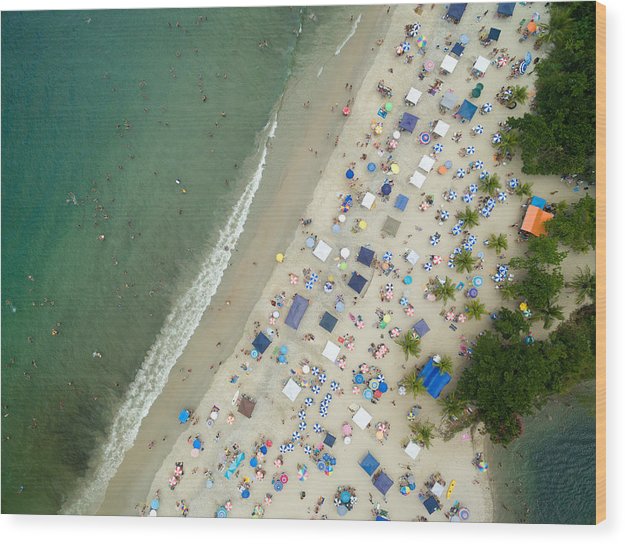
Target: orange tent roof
534,220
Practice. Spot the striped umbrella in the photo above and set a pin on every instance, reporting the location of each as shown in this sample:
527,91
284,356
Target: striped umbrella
460,172
290,447
403,301
450,263
389,286
421,42
296,435
315,389
314,277
434,241
309,285
479,164
502,196
473,188
486,212
324,413
522,67
457,250
282,448
387,257
478,129
314,371
487,108
437,259
496,138
328,396
427,266
323,377
308,401
467,197
513,183
307,449
438,148
405,46
472,239
424,138
444,215
334,386
414,30
484,174
467,246
302,414
470,150
302,426
456,230
452,194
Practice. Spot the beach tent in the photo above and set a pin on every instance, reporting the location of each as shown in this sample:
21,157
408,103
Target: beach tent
534,220
329,440
296,312
369,464
538,202
413,96
357,282
382,482
246,407
433,380
455,12
234,466
421,328
322,251
467,110
426,163
431,505
408,122
457,49
449,64
412,450
417,179
328,322
494,34
449,100
412,257
362,418
481,65
391,226
291,390
368,200
261,343
365,256
441,128
401,202
505,9
438,489
331,351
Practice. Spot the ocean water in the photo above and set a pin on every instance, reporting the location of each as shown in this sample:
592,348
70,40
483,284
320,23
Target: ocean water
548,474
102,112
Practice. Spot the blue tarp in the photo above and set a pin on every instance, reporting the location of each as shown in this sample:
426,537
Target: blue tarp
382,483
538,202
505,9
456,11
401,202
421,328
381,518
329,440
369,464
408,122
433,380
234,466
296,312
457,49
431,505
328,322
494,34
357,282
261,343
183,417
467,110
365,256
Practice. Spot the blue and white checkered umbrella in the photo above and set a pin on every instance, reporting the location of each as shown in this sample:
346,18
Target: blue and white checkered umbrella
479,164
290,447
427,266
484,174
473,188
334,386
438,148
314,371
302,426
405,46
296,435
308,401
403,301
502,196
450,263
301,414
314,277
470,150
513,183
478,129
460,173
452,195
307,449
456,230
282,448
467,197
487,108
317,428
315,389
387,256
323,377
444,215
496,138
309,285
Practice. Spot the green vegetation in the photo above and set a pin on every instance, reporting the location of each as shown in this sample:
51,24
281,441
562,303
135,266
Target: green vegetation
490,184
470,217
465,261
574,224
413,383
510,323
525,190
519,94
558,137
444,291
452,406
584,284
410,344
498,242
476,309
423,433
444,365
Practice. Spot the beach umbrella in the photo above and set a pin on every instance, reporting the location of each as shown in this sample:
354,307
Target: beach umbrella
387,256
386,189
484,174
478,281
522,67
470,150
472,292
346,111
467,197
464,39
457,229
388,106
428,65
502,196
487,108
450,263
414,30
396,134
183,416
334,386
315,371
528,56
315,389
310,242
463,514
221,513
155,504
421,42
427,266
349,174
452,194
407,280
323,377
307,449
197,444
309,285
424,138
496,138
336,228
308,401
437,259
444,215
473,188
302,414
279,257
513,183
296,435
478,129
405,46
290,447
314,277
478,164
438,148
403,301
371,167
460,172
362,224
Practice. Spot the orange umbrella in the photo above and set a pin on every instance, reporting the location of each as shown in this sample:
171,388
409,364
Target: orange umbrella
531,27
442,169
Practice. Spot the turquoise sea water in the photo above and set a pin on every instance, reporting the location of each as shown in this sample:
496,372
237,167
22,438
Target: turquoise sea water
548,475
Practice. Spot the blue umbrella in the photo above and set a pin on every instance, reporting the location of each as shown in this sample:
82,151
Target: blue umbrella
302,425
450,263
290,447
349,174
245,493
467,198
434,241
414,30
478,129
472,238
513,183
222,513
197,444
282,448
448,164
253,462
310,242
324,413
502,196
456,230
317,428
309,285
155,504
302,414
371,167
438,148
473,188
460,172
296,435
470,150
478,281
405,46
464,39
315,389
427,266
334,386
328,396
452,194
314,371
183,416
339,306
308,401
456,251
484,174
479,165
336,228
496,138
381,378
444,215
281,359
359,378
387,256
386,189
523,67
403,301
277,485
466,246
307,449
488,107
323,377
383,387
314,277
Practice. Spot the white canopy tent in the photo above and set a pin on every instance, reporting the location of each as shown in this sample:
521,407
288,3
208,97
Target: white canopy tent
449,64
417,179
331,351
368,200
362,418
412,257
322,251
438,489
413,96
426,163
412,450
481,64
291,390
441,128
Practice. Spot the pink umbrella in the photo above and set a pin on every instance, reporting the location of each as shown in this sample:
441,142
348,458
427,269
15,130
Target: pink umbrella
278,463
449,316
178,471
462,318
347,429
350,346
356,390
272,320
294,279
431,297
389,295
392,144
260,474
267,499
173,482
395,332
428,65
228,506
342,364
360,324
195,452
409,311
437,259
378,355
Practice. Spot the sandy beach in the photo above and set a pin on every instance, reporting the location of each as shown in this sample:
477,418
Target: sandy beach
217,369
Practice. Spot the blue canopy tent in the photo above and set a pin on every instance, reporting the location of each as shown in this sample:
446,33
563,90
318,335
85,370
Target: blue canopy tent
457,49
261,343
538,202
494,34
365,256
505,9
467,110
329,440
296,312
357,282
421,328
369,464
401,202
382,482
455,12
431,505
433,380
408,122
328,322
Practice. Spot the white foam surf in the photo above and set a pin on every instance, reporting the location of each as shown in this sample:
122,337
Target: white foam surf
349,36
320,72
179,326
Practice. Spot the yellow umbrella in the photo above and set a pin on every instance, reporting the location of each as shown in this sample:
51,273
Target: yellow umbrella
362,224
387,318
395,168
279,257
378,129
330,277
523,306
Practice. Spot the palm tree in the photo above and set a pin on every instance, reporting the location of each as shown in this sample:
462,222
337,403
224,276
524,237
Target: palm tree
413,383
550,313
557,29
464,261
490,184
524,190
423,433
498,242
509,142
452,406
508,291
476,309
519,95
444,364
584,283
445,290
470,217
410,344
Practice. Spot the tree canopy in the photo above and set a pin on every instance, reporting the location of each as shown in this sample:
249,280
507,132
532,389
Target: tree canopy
574,224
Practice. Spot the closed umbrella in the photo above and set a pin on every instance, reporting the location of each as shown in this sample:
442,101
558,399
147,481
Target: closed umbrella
414,30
